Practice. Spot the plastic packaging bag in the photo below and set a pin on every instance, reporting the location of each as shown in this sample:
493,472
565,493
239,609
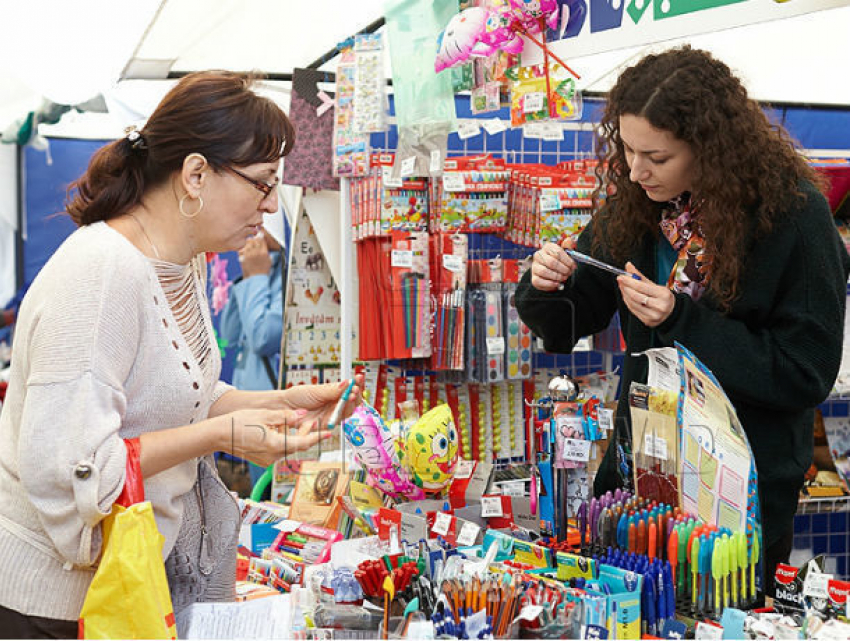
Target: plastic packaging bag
128,597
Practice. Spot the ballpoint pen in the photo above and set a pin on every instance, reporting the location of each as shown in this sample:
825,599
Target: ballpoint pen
588,260
754,559
695,546
336,415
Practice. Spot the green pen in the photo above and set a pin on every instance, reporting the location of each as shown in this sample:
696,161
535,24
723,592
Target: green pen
694,572
725,569
682,558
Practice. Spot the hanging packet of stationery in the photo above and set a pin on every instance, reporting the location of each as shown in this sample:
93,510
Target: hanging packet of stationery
369,84
350,147
448,271
473,197
411,296
537,96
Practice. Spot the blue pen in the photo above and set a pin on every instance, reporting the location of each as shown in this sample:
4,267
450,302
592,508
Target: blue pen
588,260
660,595
336,415
647,602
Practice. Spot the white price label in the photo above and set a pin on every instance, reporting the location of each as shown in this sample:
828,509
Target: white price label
533,130
551,131
401,258
576,450
533,101
464,469
816,585
452,263
442,523
530,612
494,126
468,130
513,488
436,162
491,506
708,632
468,534
549,202
389,181
453,181
293,347
408,166
606,418
495,345
287,526
299,274
655,446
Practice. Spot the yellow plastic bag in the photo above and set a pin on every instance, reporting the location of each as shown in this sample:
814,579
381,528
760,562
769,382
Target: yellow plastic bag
128,597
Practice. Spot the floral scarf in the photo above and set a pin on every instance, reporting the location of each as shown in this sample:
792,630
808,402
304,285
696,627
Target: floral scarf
692,269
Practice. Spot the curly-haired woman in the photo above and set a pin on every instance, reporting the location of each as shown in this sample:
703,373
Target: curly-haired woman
736,255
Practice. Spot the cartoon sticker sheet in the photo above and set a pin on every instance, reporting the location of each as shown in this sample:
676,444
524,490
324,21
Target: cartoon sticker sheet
313,307
716,461
838,438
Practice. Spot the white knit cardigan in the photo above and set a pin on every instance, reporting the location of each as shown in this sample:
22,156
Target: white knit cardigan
97,357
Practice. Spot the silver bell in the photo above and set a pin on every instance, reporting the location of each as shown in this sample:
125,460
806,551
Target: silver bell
563,389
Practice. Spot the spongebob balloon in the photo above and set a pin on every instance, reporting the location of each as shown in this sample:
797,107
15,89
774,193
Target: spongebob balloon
374,448
429,449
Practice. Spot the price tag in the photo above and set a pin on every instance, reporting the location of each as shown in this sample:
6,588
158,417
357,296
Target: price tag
293,347
389,181
530,612
452,263
513,488
815,585
533,130
401,258
453,181
299,274
287,526
408,166
436,163
606,418
708,632
549,202
655,446
468,534
495,345
494,126
576,450
533,101
551,131
468,130
442,523
491,506
463,469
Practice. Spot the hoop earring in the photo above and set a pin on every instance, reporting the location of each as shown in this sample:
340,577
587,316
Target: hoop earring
183,211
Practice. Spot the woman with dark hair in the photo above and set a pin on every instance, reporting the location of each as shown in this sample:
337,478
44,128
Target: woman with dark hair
115,343
736,258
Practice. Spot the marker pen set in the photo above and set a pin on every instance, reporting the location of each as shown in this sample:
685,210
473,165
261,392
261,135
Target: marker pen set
711,568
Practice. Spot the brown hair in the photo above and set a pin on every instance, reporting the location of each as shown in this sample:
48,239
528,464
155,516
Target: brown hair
747,171
213,113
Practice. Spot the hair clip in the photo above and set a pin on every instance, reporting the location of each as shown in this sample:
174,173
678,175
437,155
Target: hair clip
137,140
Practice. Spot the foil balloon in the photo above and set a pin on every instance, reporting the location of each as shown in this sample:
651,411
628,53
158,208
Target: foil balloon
374,448
531,13
455,42
429,449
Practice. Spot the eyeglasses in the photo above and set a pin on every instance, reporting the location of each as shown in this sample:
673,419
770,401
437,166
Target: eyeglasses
263,187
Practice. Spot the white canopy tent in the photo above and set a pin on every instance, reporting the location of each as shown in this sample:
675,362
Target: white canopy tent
71,52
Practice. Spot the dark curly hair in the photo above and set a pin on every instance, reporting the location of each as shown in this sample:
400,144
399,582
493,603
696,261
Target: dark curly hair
743,162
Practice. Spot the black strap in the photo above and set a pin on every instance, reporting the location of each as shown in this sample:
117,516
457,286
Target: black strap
270,371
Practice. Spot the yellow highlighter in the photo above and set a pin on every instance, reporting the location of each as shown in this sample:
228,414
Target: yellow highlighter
725,569
754,558
733,570
716,571
741,550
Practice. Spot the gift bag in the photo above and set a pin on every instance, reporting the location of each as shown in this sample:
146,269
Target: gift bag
128,597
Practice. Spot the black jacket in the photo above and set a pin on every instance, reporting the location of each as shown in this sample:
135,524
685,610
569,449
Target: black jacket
776,352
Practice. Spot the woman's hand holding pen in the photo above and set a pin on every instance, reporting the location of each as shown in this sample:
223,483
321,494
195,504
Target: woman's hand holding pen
319,401
551,266
651,303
